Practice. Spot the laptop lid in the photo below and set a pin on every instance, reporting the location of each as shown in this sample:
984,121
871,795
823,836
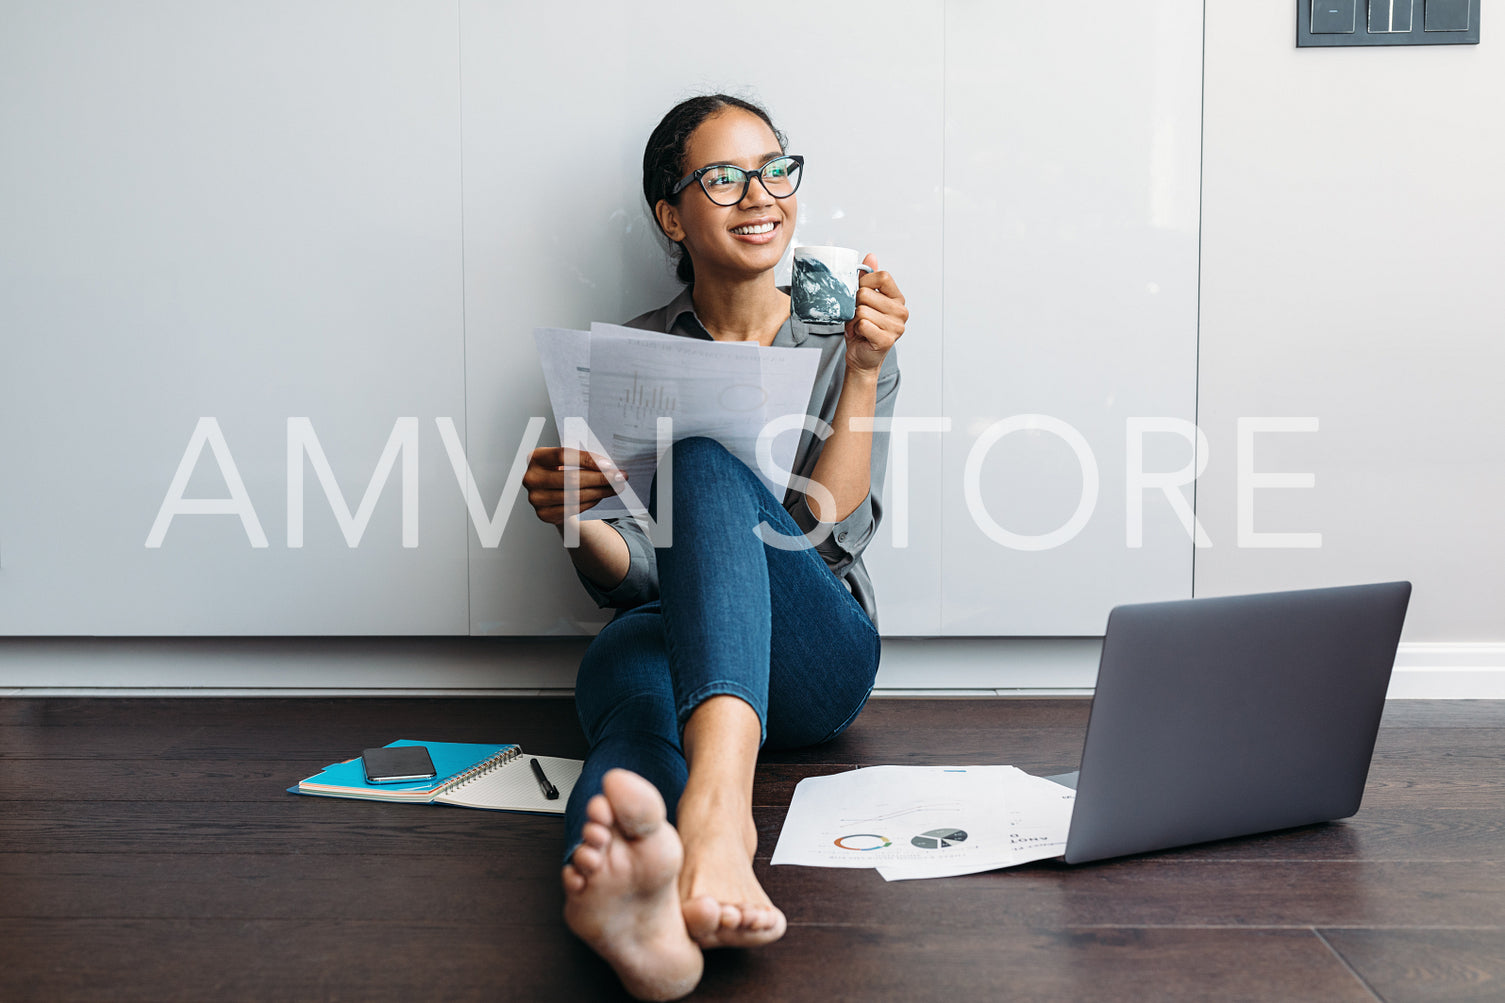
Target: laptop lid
1228,716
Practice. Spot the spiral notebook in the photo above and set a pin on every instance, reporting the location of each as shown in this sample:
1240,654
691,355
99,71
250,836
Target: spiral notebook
468,775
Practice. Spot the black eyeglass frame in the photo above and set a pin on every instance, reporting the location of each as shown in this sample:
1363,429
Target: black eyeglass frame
747,180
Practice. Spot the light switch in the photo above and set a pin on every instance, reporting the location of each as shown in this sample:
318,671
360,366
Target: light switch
1447,15
1388,16
1334,17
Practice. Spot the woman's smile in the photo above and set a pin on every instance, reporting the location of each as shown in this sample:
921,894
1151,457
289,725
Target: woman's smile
758,231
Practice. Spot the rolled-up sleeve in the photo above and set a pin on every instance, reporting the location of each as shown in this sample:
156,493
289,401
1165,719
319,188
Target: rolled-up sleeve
641,583
847,539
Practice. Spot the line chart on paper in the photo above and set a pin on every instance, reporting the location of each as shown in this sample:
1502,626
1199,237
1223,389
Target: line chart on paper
886,816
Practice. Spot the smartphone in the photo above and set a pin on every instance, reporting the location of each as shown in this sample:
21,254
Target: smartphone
396,763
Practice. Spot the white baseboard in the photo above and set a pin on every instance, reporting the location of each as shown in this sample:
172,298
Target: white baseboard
1457,670
428,667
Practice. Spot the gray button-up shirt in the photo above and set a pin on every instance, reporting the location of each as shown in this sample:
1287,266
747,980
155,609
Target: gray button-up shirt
842,547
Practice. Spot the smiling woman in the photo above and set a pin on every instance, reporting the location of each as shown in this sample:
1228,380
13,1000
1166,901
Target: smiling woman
723,643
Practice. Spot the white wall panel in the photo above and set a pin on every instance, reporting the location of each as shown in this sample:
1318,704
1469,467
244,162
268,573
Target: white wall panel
1351,273
557,109
260,217
240,211
1070,291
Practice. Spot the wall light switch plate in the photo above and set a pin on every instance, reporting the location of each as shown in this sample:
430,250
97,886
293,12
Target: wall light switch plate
1326,23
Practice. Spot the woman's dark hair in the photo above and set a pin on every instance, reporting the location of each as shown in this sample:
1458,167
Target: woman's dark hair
664,156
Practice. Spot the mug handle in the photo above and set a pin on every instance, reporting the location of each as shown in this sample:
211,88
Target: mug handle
865,268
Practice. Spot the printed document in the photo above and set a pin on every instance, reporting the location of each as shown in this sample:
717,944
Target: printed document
623,381
925,821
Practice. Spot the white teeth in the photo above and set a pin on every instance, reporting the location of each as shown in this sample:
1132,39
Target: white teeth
757,228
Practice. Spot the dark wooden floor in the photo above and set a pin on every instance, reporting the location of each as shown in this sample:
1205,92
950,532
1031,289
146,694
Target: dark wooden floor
148,852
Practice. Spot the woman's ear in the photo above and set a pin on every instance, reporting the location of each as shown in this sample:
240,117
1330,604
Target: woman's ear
668,220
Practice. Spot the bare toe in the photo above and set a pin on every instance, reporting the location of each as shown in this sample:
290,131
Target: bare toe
595,834
761,919
587,860
636,805
598,809
702,916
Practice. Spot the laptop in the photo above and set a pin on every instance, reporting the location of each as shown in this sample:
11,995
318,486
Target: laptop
1223,717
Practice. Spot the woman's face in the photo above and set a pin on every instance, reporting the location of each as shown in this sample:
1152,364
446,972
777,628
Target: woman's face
737,241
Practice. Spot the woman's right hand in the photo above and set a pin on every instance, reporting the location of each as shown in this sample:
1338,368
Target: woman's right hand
552,468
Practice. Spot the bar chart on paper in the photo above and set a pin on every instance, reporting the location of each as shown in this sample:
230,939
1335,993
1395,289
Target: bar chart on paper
641,398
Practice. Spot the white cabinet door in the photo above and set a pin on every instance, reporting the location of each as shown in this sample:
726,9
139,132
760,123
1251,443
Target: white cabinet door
1072,143
240,212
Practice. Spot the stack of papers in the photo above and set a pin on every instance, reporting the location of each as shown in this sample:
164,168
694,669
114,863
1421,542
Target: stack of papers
610,386
925,821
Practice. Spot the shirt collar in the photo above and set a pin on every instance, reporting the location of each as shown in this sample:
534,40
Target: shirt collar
679,318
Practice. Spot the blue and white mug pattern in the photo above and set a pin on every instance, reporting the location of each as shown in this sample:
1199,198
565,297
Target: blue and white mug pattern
823,288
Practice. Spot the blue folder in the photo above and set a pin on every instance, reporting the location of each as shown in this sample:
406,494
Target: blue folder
451,761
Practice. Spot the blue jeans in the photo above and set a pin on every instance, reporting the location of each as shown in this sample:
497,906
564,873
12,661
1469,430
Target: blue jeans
734,616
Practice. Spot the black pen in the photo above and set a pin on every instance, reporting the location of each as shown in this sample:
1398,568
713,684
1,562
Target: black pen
549,790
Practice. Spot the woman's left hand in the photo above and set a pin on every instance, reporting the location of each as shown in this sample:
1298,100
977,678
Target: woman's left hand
879,321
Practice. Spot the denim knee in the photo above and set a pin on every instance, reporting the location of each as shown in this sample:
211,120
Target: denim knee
694,462
701,449
699,456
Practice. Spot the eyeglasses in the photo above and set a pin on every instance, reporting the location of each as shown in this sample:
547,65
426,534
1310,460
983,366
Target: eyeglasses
728,185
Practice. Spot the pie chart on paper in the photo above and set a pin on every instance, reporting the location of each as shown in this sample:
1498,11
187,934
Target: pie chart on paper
936,839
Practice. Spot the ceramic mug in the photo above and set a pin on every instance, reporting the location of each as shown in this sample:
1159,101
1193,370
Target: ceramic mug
823,289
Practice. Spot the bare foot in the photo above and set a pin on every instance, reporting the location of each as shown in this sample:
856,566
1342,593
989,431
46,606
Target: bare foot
621,894
724,905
